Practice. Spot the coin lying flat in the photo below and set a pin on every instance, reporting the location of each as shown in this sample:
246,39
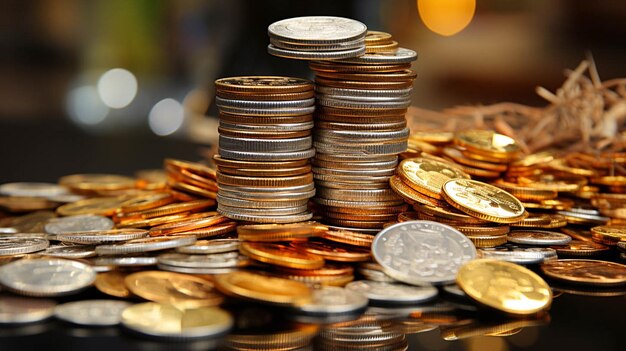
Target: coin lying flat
78,223
504,286
317,29
333,300
586,272
18,310
146,244
392,293
210,246
167,321
538,237
422,252
92,312
70,251
519,255
218,260
16,245
102,236
32,189
46,277
262,288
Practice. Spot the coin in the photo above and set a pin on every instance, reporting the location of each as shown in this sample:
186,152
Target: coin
210,246
19,310
262,288
333,251
94,237
70,251
488,143
334,300
78,223
317,30
586,272
392,293
218,260
103,206
427,176
92,312
46,277
146,244
504,286
422,252
180,290
168,321
579,248
112,283
263,84
16,245
608,234
31,189
483,201
125,261
519,255
281,255
538,237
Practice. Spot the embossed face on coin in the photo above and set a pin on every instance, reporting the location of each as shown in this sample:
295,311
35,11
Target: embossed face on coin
422,252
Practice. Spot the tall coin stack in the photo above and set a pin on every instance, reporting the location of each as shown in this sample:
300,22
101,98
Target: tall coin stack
265,144
360,130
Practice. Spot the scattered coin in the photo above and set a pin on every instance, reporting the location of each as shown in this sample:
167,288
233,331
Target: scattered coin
586,272
92,312
538,237
19,310
80,223
392,293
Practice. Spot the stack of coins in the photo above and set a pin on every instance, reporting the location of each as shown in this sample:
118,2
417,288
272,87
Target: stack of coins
317,38
360,130
265,144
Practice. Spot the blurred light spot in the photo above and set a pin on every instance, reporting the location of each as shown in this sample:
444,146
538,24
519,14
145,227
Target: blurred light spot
117,88
481,343
446,17
85,107
166,117
197,101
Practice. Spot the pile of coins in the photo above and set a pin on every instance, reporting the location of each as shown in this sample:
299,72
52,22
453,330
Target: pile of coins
360,130
317,38
191,178
265,144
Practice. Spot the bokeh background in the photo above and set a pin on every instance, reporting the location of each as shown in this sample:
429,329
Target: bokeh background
116,85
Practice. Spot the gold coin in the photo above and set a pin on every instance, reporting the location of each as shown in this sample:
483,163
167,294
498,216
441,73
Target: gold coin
288,337
485,241
278,182
610,180
551,204
104,206
533,160
373,37
409,194
526,193
164,320
433,137
26,204
579,248
488,143
171,209
263,84
348,237
224,162
112,283
90,183
505,286
458,157
587,272
202,220
555,182
151,179
282,232
263,288
483,201
146,202
387,48
334,251
281,255
181,290
193,189
561,165
608,234
427,175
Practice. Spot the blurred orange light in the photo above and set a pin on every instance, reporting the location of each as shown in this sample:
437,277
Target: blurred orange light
446,17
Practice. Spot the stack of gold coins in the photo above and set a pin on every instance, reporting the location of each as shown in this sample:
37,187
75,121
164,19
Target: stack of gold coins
317,38
360,130
265,144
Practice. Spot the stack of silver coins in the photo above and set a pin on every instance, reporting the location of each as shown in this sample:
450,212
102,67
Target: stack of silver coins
317,38
265,144
360,130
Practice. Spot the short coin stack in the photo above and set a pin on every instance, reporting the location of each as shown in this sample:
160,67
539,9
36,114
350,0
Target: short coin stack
317,38
360,130
265,145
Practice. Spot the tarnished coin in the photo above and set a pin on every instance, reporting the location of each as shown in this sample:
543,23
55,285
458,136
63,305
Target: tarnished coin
332,300
18,310
32,189
504,286
586,272
46,277
538,237
17,245
391,293
80,223
317,30
519,255
92,312
210,246
217,260
422,252
168,321
70,251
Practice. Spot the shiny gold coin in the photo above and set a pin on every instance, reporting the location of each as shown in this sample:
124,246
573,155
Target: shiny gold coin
278,182
263,288
483,201
207,219
194,167
224,162
427,176
554,182
560,165
281,255
181,290
608,234
433,137
406,75
480,173
334,251
587,272
409,194
348,237
373,37
104,206
578,234
195,190
486,241
263,84
266,96
146,202
190,206
458,157
355,224
375,112
450,213
237,133
279,232
281,337
488,143
136,222
387,48
268,172
526,193
355,84
578,248
26,204
533,160
504,286
112,283
551,204
90,183
484,231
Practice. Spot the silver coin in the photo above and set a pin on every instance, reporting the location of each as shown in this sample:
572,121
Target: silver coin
538,237
145,245
422,252
315,55
454,290
364,150
272,104
46,277
16,245
375,275
584,216
267,156
382,292
235,202
126,261
347,45
355,172
19,310
317,29
70,251
249,111
283,211
80,223
267,197
334,102
92,312
519,255
363,92
362,135
351,158
219,260
369,100
265,145
361,166
331,300
358,194
210,246
300,217
8,230
357,204
195,270
401,55
270,190
287,127
32,189
102,236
